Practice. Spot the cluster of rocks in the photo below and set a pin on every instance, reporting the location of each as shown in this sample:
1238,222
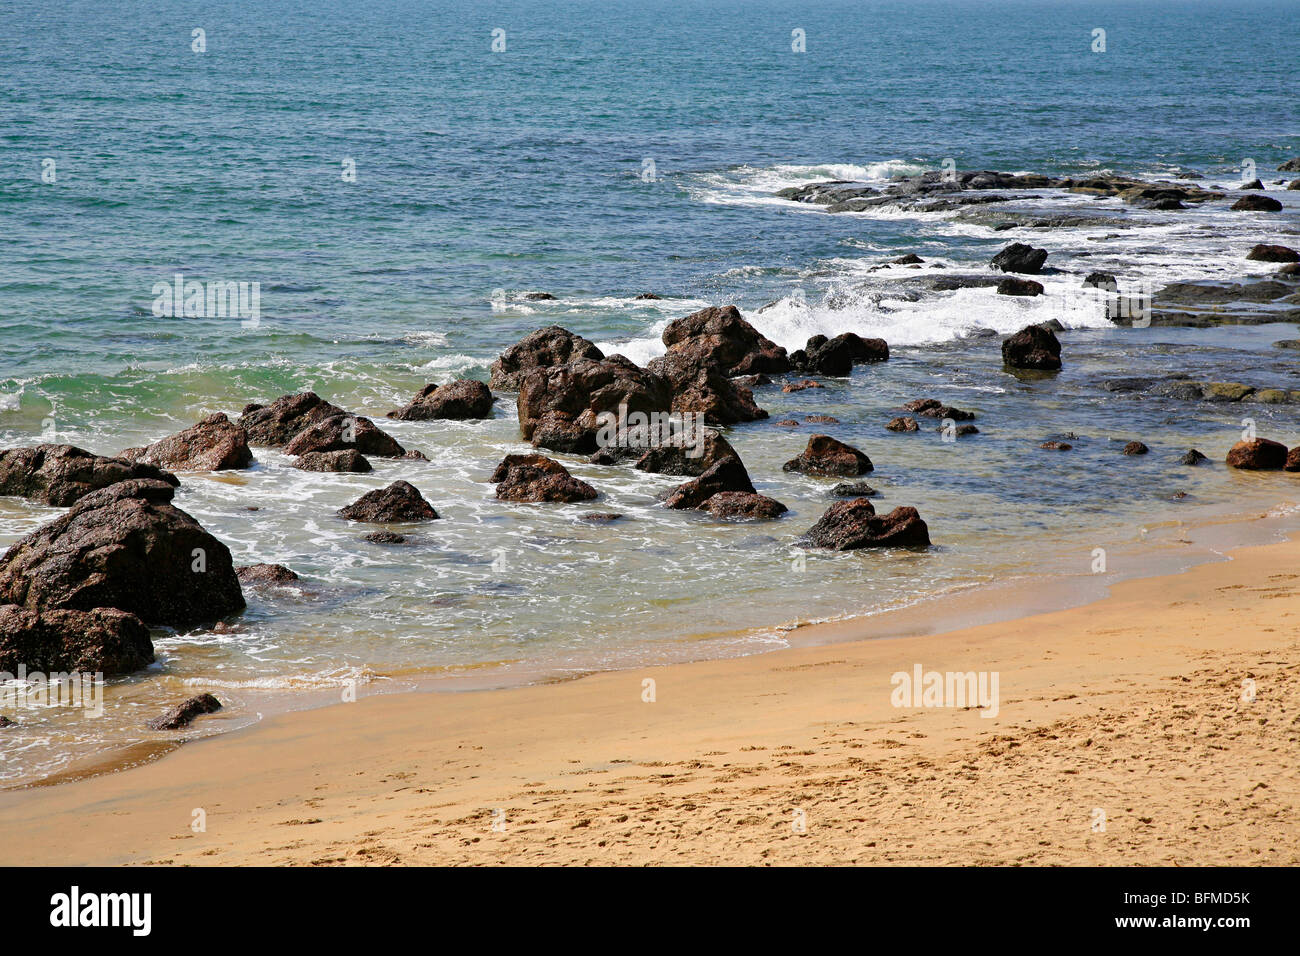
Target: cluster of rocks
1263,454
1184,388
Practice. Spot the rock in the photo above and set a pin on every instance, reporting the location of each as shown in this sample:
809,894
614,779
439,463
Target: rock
180,715
538,297
1292,460
61,475
933,408
911,259
538,478
1011,286
1193,457
648,296
1056,446
676,459
1135,448
903,424
1166,205
837,356
829,456
412,455
1253,184
745,505
541,350
214,444
101,640
1225,391
306,422
849,490
1019,257
1256,203
385,537
752,381
1292,165
787,423
706,389
821,419
1259,454
1293,344
345,460
128,547
729,474
853,524
1290,269
399,503
801,386
341,432
720,336
6,722
560,407
1293,185
462,399
600,517
962,430
1266,253
255,574
1033,347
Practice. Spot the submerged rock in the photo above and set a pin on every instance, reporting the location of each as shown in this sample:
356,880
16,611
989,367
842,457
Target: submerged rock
537,478
1056,446
183,713
933,408
128,547
854,524
399,503
214,444
1259,454
101,640
1193,457
462,399
1033,347
829,456
850,490
61,475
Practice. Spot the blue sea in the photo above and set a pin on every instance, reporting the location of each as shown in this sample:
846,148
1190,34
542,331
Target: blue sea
399,177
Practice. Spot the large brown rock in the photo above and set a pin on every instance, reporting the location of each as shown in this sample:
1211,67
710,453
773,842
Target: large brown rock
462,399
1033,347
306,422
850,525
677,459
1257,203
214,444
538,478
560,408
720,336
744,505
102,640
125,546
1259,454
829,456
706,389
253,575
837,356
60,475
346,460
183,713
343,432
729,474
400,503
1019,257
544,349
1263,252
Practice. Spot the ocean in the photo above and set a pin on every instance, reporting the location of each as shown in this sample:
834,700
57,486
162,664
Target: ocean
399,177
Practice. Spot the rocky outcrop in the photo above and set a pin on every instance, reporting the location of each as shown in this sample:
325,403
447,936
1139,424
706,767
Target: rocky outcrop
847,489
1019,257
214,444
346,460
854,524
251,575
837,356
1055,445
399,503
462,399
1256,203
1262,252
560,408
1259,454
538,478
719,336
829,456
541,350
729,474
1101,280
1135,448
344,432
705,389
1026,287
100,640
127,547
744,505
1033,347
933,408
1193,457
61,475
305,422
183,713
1292,165
905,423
677,460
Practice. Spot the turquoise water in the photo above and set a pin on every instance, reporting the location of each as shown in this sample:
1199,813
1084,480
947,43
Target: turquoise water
482,176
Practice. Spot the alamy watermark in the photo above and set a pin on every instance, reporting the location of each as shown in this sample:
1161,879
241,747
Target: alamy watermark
216,299
30,690
651,430
922,688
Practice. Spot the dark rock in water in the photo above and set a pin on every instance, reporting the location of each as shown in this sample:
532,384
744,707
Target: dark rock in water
933,408
125,546
1193,457
1253,184
1168,204
306,422
6,722
1292,165
848,490
729,474
1293,344
828,193
399,503
544,349
61,475
821,419
1290,269
561,407
1195,293
720,336
1052,325
829,456
214,444
962,430
1020,287
706,389
677,460
1056,446
807,383
910,259
853,524
1135,448
254,574
744,504
1267,253
1292,460
341,432
462,399
647,296
412,455
346,460
385,537
539,297
1293,185
600,517
787,423
179,716
538,478
1033,347
1019,257
1254,203
1102,280
1259,454
101,640
903,424
837,356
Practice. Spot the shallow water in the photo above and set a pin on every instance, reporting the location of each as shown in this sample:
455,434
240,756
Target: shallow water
483,176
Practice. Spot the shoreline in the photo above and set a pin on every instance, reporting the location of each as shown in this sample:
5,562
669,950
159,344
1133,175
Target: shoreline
585,771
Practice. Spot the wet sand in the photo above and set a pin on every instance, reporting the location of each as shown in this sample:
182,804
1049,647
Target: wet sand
1132,707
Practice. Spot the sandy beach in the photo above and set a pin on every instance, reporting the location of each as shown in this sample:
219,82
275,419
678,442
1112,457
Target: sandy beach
1126,733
